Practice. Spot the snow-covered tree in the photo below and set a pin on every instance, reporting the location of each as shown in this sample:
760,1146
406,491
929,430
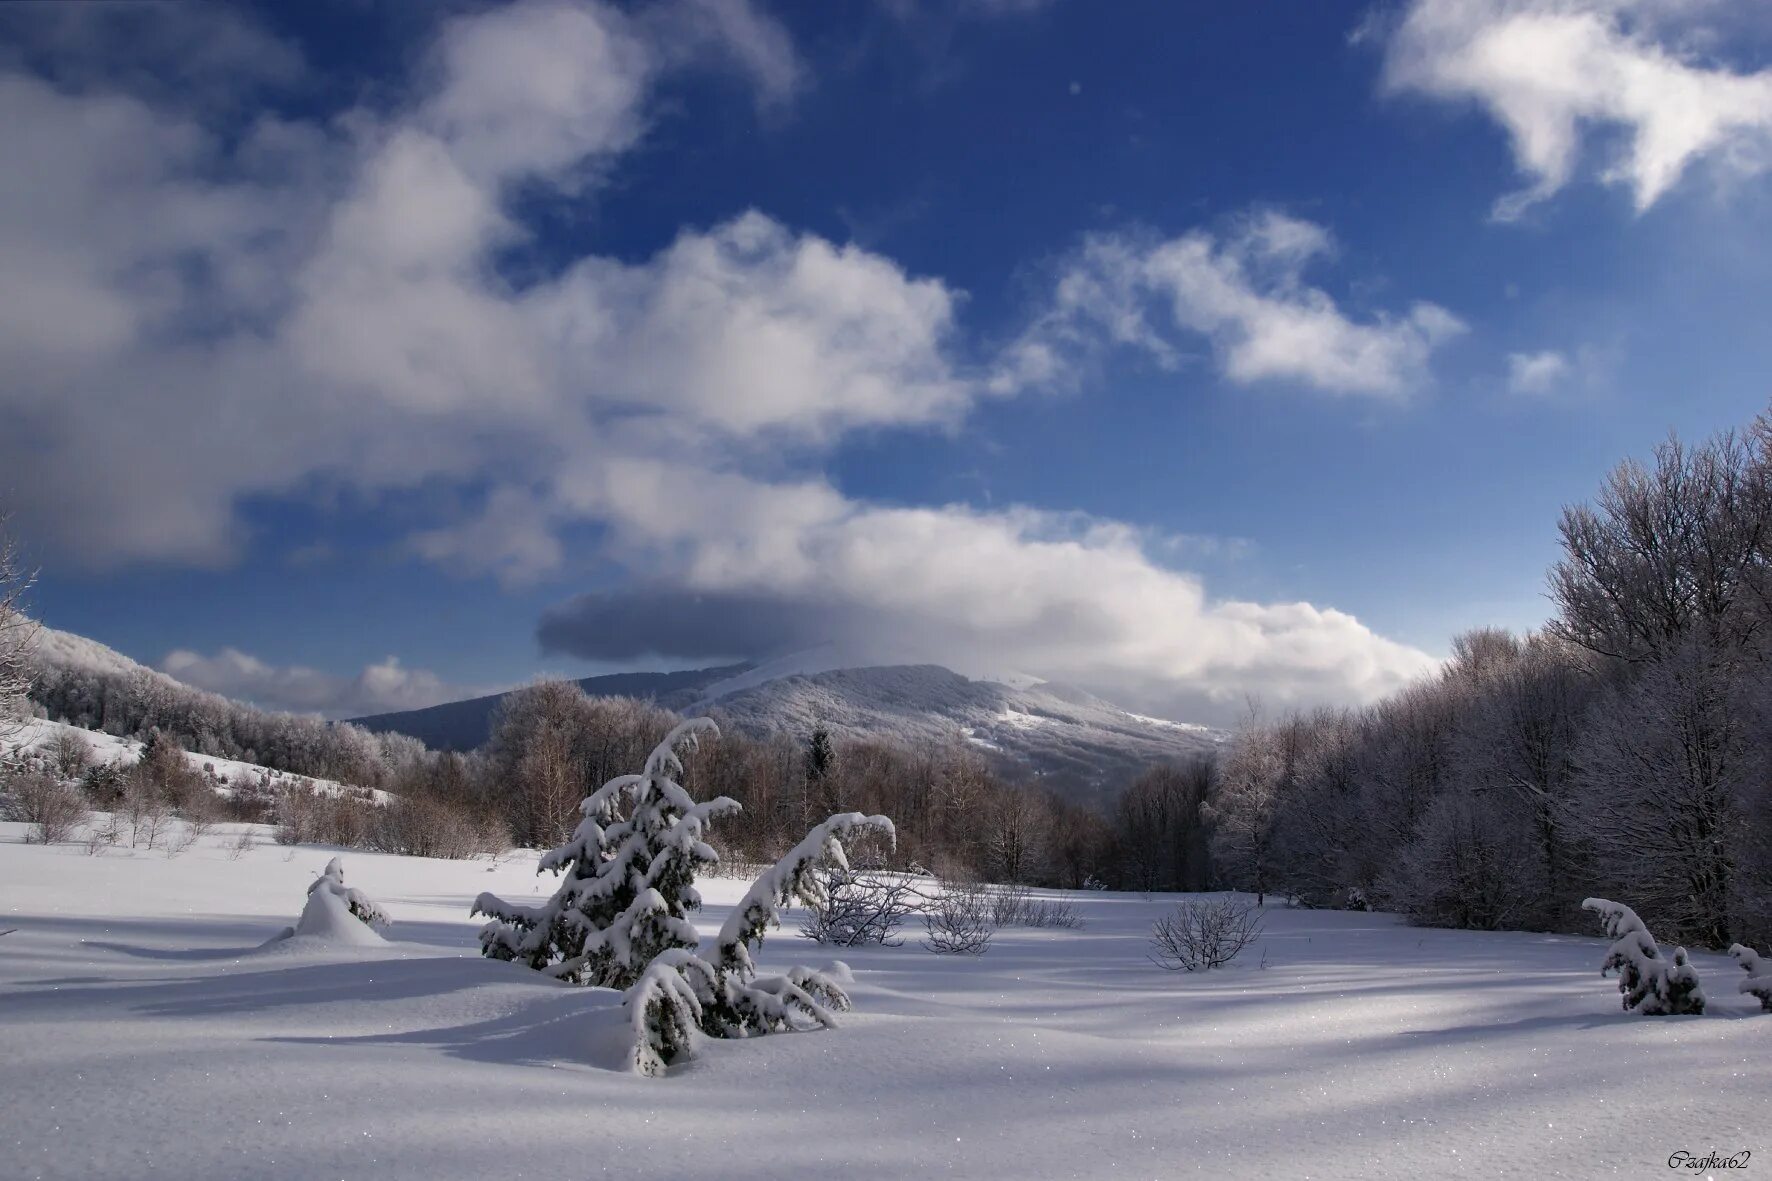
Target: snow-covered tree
18,633
1649,981
629,877
619,919
1759,974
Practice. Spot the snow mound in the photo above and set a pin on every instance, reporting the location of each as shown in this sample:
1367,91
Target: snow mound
336,914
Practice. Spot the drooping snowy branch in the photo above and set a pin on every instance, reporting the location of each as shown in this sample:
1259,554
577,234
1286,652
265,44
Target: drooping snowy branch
791,878
1759,974
1650,983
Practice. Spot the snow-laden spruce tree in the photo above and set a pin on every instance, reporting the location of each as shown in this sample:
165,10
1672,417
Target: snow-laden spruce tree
1649,981
620,917
629,877
1759,974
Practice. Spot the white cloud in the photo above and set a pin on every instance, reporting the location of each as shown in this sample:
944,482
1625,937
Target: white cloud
202,318
383,687
1537,373
1068,596
1244,293
1556,73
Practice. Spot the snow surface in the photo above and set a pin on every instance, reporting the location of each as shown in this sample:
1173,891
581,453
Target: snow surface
142,1034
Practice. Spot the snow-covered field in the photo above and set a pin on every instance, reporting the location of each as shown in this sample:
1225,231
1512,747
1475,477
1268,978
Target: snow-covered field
142,1035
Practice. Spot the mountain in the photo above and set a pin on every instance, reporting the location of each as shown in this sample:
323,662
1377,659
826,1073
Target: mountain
1066,736
464,725
1070,738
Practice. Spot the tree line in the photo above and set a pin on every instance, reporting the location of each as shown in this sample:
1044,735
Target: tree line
1623,750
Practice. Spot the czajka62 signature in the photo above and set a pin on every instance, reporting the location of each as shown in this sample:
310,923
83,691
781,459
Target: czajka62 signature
1711,1160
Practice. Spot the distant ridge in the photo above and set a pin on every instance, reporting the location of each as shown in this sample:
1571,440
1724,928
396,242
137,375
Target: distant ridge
464,725
1068,738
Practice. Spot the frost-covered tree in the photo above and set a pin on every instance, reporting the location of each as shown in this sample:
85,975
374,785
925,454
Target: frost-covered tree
1649,981
1666,763
620,917
18,633
1759,974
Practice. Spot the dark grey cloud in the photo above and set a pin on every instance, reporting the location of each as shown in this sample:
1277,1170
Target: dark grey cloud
630,624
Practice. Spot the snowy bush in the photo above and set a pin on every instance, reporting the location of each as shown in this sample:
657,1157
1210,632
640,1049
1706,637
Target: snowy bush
1202,934
337,913
1650,982
620,917
861,908
1759,974
960,920
52,810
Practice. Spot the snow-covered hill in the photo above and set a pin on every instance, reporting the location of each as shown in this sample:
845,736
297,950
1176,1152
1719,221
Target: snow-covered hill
1068,737
224,775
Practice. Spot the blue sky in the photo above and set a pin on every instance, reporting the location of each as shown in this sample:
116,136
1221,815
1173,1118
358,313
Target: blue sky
1162,348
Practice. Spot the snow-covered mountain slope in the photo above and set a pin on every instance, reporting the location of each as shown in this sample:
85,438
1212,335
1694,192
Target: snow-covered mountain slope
1068,737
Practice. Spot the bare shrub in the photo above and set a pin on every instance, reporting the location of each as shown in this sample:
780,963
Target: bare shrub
1051,912
297,816
862,908
1009,903
184,836
69,755
242,844
52,810
419,826
1204,933
958,921
100,837
343,820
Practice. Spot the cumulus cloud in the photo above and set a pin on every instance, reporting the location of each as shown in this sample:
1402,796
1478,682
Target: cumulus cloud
383,687
1537,373
1556,73
760,567
205,312
1244,293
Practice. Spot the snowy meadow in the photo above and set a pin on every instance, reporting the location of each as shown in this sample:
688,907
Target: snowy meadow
1340,1045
